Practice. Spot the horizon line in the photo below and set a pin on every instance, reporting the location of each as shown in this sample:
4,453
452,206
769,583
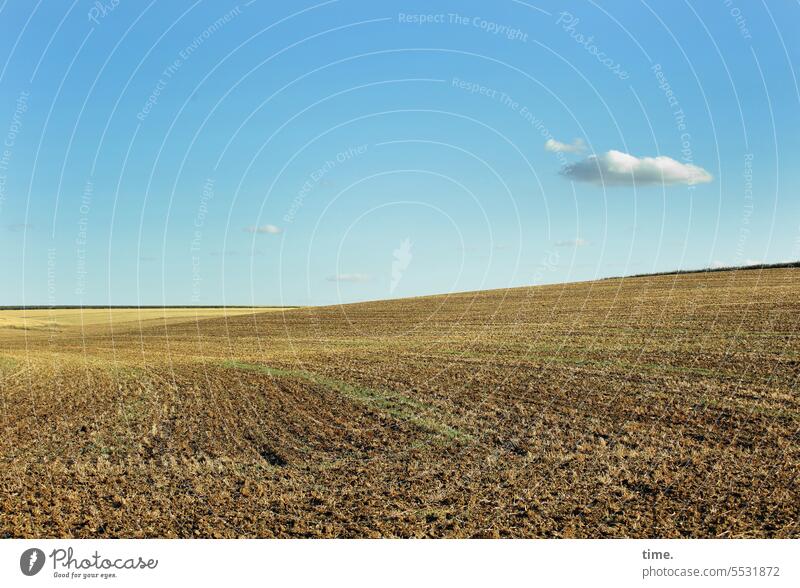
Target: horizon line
781,265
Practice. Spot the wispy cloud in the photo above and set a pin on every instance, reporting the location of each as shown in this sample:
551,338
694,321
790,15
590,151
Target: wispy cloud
355,278
572,243
235,253
19,227
577,146
264,229
402,258
623,169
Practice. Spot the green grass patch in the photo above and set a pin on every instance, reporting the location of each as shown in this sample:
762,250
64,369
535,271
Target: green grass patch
620,364
8,366
394,404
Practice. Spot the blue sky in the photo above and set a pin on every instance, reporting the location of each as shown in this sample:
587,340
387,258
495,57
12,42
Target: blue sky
314,153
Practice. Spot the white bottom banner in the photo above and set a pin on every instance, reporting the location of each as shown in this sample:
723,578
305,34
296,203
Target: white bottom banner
157,562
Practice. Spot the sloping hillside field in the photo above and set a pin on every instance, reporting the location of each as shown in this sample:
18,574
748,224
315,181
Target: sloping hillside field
663,406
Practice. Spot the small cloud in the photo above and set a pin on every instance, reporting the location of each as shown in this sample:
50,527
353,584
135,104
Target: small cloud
463,248
264,229
717,263
235,253
354,278
19,227
402,258
623,169
753,261
572,243
577,146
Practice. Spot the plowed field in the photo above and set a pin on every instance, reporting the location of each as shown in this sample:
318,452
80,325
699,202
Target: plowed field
663,406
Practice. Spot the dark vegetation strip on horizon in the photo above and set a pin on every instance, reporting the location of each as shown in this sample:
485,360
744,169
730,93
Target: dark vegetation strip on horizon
731,268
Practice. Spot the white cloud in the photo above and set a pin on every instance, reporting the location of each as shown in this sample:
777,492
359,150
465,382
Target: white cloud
355,278
264,229
618,168
576,146
402,259
572,243
19,227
